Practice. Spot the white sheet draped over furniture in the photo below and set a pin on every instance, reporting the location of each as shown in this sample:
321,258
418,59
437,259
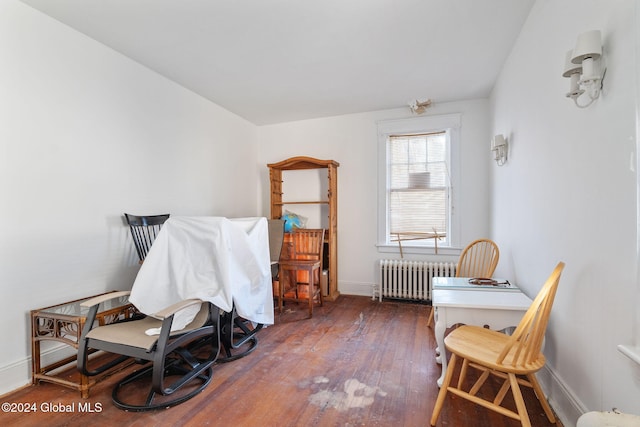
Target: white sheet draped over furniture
216,259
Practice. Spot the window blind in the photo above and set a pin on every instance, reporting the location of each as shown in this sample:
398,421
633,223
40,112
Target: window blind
418,187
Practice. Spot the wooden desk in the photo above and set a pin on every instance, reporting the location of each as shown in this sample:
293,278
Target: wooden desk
64,323
479,306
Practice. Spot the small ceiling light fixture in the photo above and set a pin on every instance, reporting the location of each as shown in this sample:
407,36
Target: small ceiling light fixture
583,65
499,148
419,107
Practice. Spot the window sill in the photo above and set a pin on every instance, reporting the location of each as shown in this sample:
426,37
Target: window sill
393,249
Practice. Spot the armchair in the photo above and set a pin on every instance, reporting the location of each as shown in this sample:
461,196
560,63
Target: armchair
181,362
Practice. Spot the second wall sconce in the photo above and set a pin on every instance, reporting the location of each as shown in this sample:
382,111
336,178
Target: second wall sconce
583,65
499,147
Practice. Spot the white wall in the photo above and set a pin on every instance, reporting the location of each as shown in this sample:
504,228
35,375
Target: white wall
568,192
352,141
85,135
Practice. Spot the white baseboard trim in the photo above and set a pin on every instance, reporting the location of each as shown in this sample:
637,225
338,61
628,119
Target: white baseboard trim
18,374
357,288
563,401
15,376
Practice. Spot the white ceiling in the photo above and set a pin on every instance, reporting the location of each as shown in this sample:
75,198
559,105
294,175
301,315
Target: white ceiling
273,61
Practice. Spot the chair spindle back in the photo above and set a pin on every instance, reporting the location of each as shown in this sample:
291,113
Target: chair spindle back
525,345
144,230
307,243
478,259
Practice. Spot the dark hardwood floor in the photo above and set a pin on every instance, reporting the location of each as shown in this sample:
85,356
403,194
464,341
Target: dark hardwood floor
357,362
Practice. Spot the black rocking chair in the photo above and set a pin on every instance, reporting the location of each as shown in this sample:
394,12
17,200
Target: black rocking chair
181,361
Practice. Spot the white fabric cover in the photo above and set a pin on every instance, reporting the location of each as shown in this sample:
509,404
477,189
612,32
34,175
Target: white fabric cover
215,259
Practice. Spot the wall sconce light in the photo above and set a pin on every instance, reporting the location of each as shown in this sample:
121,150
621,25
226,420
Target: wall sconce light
419,107
499,147
583,65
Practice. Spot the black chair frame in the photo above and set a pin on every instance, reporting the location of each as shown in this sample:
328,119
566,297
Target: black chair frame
237,334
190,356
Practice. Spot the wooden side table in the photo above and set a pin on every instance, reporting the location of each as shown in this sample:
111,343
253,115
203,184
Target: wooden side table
64,323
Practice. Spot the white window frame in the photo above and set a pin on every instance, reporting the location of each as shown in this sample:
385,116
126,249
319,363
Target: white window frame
427,124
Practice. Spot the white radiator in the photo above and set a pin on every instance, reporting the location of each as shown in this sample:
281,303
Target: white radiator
410,280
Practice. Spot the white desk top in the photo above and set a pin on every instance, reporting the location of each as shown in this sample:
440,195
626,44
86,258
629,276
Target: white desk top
462,283
480,299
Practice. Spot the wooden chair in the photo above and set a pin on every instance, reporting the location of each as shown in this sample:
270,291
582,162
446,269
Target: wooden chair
144,230
303,267
514,358
478,259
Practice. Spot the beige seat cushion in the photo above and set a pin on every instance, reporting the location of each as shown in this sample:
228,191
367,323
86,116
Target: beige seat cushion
133,333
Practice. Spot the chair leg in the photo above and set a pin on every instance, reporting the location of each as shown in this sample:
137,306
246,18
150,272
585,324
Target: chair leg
502,392
238,339
443,389
430,319
479,382
320,288
517,397
463,373
541,397
311,291
281,289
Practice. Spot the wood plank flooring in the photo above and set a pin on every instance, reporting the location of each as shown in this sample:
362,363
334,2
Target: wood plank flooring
357,362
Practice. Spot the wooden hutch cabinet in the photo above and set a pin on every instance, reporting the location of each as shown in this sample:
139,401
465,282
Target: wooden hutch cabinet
331,233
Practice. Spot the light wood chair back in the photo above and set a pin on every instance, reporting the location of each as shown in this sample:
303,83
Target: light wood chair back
525,344
478,259
307,243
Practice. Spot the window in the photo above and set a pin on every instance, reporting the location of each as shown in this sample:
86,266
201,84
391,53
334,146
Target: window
418,190
417,158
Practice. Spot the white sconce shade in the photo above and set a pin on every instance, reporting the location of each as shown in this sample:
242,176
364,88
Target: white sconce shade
587,46
572,71
499,148
582,66
569,67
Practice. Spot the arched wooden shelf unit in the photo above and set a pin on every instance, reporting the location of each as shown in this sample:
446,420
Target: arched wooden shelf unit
331,233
